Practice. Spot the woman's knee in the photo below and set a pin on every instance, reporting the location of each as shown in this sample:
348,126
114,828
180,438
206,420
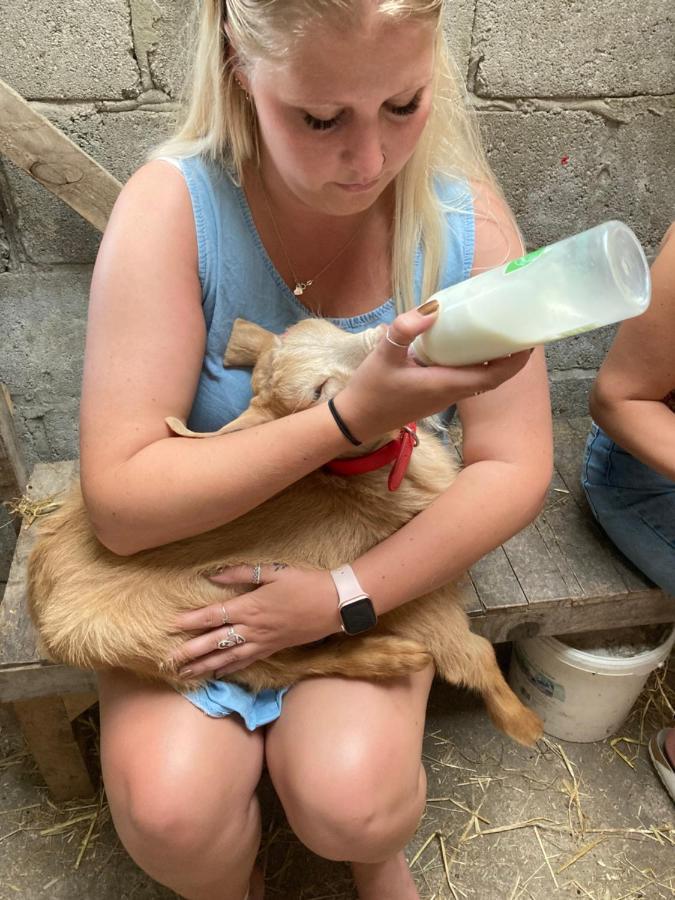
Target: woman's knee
177,827
356,814
168,831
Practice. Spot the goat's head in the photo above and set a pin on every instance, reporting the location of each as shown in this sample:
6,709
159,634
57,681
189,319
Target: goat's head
307,365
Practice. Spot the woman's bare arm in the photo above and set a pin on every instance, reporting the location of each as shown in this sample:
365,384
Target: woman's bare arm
508,459
145,345
639,371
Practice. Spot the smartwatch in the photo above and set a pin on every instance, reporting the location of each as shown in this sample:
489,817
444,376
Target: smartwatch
354,605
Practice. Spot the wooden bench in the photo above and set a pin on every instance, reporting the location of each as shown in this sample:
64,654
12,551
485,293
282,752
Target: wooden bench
560,574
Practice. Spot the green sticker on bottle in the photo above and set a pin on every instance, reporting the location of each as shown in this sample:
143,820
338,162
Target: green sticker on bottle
523,260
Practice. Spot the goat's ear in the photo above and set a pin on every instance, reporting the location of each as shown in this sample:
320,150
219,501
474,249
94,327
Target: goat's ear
254,415
247,341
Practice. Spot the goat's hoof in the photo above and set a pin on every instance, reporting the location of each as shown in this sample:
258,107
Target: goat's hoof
526,728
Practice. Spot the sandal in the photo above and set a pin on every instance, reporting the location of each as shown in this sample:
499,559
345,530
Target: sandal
663,766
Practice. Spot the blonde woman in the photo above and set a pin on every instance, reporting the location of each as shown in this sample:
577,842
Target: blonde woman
326,167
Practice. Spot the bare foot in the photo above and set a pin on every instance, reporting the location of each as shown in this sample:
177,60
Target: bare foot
388,880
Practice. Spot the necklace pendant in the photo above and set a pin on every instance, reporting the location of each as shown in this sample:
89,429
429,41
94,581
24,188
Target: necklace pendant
301,287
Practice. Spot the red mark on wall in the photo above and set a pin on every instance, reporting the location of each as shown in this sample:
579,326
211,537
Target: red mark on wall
564,160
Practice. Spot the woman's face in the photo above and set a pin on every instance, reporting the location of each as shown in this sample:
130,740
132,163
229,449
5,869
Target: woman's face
339,121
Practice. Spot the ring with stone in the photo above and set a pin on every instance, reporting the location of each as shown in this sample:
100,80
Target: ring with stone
233,639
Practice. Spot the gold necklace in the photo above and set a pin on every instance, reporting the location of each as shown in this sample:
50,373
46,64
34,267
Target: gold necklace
301,286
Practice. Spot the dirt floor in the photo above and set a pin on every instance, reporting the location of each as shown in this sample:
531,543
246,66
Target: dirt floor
502,822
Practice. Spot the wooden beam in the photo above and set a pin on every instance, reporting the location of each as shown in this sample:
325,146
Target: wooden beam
25,681
566,615
76,704
13,470
46,728
51,158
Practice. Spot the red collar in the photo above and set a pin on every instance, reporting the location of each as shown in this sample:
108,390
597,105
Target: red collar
397,451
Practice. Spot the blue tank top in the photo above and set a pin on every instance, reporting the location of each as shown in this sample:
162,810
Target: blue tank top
239,280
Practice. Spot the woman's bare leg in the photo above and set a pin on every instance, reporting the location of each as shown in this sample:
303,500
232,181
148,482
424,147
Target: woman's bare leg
181,788
345,759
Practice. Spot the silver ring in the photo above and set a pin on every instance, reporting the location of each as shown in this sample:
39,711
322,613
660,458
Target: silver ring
233,639
257,573
395,343
226,617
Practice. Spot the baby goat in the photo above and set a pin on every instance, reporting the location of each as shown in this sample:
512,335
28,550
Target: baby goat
94,609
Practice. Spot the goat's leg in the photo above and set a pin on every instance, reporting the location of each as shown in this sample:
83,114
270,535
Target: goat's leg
473,663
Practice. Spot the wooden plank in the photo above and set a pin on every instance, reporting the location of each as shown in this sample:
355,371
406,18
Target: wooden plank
472,603
76,704
52,159
495,582
569,444
524,569
534,566
562,563
551,617
13,470
584,549
52,744
17,638
35,680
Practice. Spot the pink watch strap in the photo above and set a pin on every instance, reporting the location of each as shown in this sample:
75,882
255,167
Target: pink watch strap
346,584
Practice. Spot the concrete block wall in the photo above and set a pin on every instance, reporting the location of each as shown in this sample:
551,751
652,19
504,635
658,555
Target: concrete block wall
576,102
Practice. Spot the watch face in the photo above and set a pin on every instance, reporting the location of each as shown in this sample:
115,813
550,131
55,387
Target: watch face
358,615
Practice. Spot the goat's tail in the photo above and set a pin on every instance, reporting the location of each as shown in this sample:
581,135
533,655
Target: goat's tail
476,667
374,656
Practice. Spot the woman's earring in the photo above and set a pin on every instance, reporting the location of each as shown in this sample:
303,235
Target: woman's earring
242,88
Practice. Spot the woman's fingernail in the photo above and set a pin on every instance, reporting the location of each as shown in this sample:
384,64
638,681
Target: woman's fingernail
426,309
185,673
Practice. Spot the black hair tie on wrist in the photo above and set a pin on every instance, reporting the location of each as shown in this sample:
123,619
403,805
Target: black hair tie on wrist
341,425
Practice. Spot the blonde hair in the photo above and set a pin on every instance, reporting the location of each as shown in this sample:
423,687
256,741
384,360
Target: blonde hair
219,122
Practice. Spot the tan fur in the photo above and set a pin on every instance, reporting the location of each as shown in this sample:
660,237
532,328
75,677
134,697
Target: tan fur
94,609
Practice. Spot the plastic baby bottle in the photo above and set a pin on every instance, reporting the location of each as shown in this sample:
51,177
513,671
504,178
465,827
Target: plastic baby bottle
595,278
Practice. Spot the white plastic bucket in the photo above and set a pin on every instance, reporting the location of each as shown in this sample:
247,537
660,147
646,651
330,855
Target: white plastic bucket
581,695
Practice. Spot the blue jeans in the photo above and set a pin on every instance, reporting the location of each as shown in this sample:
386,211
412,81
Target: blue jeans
634,504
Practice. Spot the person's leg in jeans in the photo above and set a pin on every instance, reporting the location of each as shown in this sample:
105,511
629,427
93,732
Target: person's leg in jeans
636,507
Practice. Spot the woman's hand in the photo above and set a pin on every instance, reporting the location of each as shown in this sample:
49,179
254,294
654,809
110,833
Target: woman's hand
390,389
290,606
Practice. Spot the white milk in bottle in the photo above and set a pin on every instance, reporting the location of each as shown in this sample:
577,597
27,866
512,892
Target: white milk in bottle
595,278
